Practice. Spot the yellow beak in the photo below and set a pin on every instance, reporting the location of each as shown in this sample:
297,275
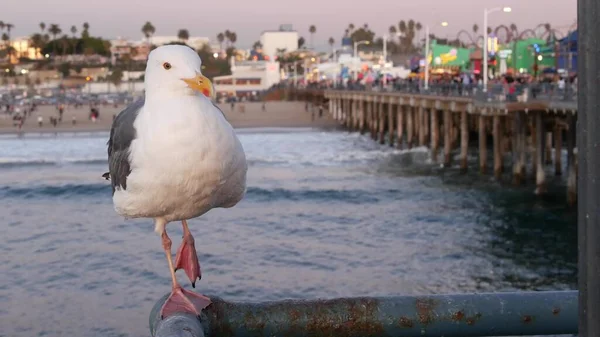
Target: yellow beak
201,84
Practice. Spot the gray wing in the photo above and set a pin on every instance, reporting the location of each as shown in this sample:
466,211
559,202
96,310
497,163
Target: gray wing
216,106
122,133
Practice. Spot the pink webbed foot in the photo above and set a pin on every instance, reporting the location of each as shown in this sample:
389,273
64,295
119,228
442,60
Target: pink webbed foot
184,301
186,258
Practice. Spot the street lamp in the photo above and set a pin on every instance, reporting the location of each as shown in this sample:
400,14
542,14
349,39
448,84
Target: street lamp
426,80
485,41
356,44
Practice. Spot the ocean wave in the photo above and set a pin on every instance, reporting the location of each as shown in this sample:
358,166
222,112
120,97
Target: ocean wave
348,196
329,158
254,194
24,162
51,191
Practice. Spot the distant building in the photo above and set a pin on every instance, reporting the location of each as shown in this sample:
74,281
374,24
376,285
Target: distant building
22,48
121,47
248,78
196,42
283,39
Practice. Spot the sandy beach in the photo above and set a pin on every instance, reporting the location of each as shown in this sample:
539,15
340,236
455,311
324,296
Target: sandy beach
244,115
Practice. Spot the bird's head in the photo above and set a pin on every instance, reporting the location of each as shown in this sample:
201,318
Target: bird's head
176,69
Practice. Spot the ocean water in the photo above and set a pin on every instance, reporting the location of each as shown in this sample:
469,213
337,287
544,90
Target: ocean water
327,214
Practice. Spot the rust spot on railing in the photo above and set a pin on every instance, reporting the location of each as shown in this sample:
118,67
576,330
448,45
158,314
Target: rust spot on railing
527,319
356,319
406,322
473,319
425,310
458,316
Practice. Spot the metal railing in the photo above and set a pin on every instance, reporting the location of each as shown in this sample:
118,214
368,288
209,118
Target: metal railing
486,314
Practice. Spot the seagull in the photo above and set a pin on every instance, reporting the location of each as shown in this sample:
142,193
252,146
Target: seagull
173,156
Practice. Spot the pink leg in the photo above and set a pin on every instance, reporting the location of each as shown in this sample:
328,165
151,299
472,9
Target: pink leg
186,258
180,300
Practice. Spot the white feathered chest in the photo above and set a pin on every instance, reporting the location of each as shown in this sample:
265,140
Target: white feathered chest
185,160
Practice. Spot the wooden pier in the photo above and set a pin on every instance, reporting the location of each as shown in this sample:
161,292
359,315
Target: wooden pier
532,132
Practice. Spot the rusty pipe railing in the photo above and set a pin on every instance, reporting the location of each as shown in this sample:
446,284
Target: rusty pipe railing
487,314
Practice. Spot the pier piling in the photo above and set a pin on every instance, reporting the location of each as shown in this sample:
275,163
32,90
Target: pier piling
497,143
464,140
409,127
540,175
447,137
400,126
557,148
435,135
482,145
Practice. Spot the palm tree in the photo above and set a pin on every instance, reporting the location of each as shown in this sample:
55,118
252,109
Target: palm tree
227,36
183,35
312,30
54,30
351,28
393,31
475,28
86,31
280,53
2,25
221,38
74,31
331,41
37,42
64,43
148,29
402,27
233,38
301,42
42,27
8,27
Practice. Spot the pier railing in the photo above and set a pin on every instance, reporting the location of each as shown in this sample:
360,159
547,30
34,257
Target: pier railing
548,92
486,314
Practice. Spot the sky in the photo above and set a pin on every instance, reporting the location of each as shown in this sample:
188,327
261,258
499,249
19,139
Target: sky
124,18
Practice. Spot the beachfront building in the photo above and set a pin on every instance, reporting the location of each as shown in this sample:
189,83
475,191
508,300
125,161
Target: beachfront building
525,56
139,49
275,41
248,78
448,59
23,49
196,42
121,48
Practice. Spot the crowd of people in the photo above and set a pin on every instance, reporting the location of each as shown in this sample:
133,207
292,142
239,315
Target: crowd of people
509,86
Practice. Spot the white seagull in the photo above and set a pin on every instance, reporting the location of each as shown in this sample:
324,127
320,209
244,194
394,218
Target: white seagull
173,156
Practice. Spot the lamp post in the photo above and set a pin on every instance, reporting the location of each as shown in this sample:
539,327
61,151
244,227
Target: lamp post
426,80
485,41
356,44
